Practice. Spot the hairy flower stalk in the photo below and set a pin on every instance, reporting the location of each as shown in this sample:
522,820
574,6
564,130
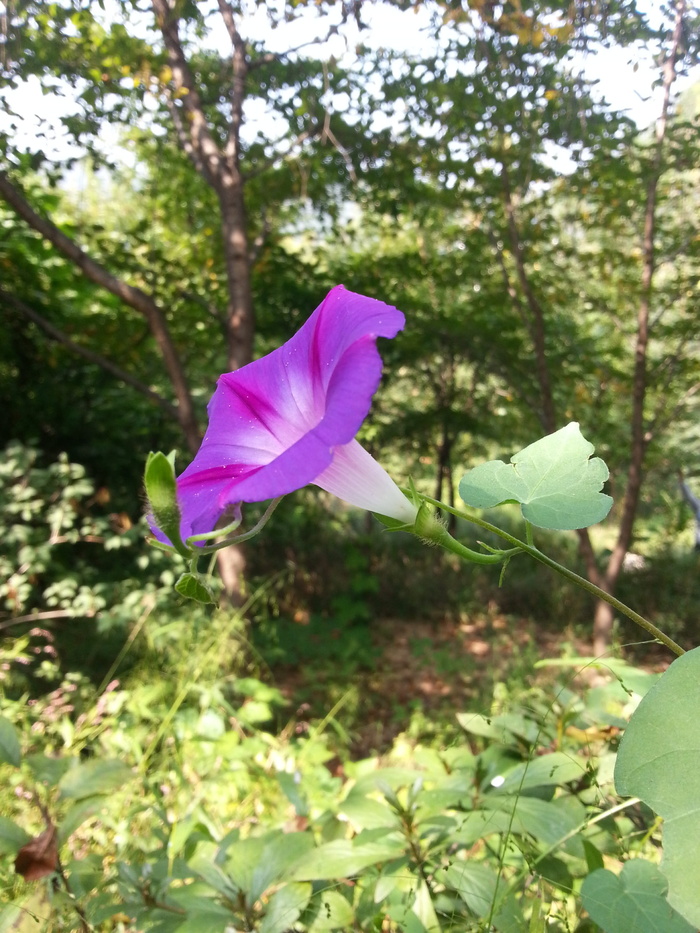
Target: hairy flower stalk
290,419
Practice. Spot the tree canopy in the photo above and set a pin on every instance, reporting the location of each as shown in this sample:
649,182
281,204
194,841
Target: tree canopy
544,247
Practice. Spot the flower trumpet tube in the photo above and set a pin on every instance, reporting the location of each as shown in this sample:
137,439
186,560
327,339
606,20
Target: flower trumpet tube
290,419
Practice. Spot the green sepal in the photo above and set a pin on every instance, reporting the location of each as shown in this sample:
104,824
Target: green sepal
161,490
393,524
431,530
192,586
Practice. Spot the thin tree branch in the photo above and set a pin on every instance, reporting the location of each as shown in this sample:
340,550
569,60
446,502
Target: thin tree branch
327,132
202,141
639,378
509,287
129,294
226,11
45,616
186,143
281,156
548,416
270,57
90,355
211,310
239,63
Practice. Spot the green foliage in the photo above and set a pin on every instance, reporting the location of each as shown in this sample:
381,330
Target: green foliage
9,744
65,560
651,759
181,802
633,901
554,479
445,839
178,803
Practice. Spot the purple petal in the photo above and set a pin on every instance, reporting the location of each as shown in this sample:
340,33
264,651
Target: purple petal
274,424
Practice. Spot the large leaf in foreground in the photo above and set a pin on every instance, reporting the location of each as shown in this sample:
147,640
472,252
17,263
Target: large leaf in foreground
632,902
554,480
659,761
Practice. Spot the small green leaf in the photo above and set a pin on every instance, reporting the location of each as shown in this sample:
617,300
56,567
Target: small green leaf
554,480
475,883
12,837
83,809
193,586
555,768
365,813
284,907
545,820
161,490
329,911
46,769
203,915
594,857
424,908
281,852
94,777
242,857
633,902
658,760
203,862
10,751
343,858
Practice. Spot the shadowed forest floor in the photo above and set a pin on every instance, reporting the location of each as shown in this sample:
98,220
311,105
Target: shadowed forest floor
420,674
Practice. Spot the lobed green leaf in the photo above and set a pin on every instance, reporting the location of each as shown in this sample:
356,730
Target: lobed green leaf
555,482
659,761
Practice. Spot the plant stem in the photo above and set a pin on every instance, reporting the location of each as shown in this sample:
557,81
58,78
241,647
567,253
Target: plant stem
445,540
604,815
84,925
565,572
233,538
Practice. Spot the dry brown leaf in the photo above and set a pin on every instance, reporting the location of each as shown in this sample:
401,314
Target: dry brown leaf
38,857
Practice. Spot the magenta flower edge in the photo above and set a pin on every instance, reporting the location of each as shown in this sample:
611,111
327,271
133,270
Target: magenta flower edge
290,419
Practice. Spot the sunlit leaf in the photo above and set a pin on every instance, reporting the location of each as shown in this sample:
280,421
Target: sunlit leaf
12,836
10,751
94,777
161,490
285,907
633,901
329,911
343,858
554,480
659,761
193,586
475,882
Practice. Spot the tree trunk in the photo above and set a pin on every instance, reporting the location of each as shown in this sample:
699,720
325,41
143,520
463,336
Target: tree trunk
240,321
603,622
231,563
639,435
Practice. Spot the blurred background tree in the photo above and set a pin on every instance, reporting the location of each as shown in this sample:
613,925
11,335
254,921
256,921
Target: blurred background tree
221,174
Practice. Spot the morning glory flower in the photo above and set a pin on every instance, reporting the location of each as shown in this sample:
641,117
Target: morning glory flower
290,419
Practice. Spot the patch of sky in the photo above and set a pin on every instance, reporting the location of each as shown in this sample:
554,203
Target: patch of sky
622,79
